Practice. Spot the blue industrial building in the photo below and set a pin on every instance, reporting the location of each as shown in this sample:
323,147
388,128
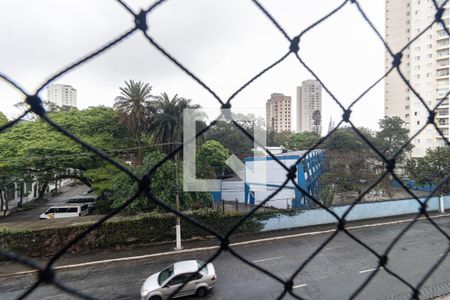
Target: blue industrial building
258,187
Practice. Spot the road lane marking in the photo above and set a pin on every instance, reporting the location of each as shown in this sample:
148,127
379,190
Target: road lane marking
334,248
266,259
122,259
442,254
369,270
299,286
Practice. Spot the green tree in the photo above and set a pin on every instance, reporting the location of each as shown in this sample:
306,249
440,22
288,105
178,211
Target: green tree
3,119
303,140
280,139
50,107
162,185
166,124
431,169
34,149
392,136
389,140
101,179
132,105
349,162
346,139
348,171
211,159
232,138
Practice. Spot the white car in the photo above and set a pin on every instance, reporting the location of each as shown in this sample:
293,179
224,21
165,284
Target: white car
161,285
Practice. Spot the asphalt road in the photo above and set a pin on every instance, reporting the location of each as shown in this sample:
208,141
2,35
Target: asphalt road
339,269
30,218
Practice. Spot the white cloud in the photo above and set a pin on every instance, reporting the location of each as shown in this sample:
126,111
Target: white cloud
224,42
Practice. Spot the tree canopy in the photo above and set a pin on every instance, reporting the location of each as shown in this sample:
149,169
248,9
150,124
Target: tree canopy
3,119
166,121
349,161
392,136
211,159
232,137
431,169
33,149
303,140
163,185
132,105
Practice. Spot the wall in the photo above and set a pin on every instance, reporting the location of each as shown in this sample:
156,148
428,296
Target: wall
232,190
359,212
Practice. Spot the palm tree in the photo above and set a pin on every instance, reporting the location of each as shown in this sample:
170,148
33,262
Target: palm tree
131,104
167,120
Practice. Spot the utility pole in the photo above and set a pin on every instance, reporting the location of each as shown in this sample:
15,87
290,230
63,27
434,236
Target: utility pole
441,190
177,203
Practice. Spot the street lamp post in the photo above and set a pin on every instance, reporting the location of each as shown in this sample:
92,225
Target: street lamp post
441,192
441,175
177,203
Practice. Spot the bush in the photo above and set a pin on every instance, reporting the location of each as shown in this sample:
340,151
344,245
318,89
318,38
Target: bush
145,228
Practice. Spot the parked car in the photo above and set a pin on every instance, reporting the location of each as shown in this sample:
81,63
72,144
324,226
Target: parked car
82,199
161,285
57,212
89,200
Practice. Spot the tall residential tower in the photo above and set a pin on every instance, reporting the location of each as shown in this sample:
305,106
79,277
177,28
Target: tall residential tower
309,107
278,113
425,64
62,95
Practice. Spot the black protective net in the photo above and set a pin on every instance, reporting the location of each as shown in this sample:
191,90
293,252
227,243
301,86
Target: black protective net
293,45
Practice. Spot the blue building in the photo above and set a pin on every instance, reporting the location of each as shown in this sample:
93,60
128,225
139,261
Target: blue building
264,175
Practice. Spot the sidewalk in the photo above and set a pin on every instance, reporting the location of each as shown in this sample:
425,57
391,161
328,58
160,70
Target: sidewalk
28,217
13,204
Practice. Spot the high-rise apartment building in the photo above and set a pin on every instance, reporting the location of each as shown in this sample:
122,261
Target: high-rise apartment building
309,107
425,64
62,95
278,113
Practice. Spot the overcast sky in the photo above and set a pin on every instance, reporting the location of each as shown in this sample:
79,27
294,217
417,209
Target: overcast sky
224,43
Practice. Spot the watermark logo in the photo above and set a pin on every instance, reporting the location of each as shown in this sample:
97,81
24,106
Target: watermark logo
245,171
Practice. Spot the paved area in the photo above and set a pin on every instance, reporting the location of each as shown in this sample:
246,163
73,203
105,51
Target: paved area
335,273
30,218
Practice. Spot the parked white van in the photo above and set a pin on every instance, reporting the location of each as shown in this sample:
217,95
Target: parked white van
56,212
